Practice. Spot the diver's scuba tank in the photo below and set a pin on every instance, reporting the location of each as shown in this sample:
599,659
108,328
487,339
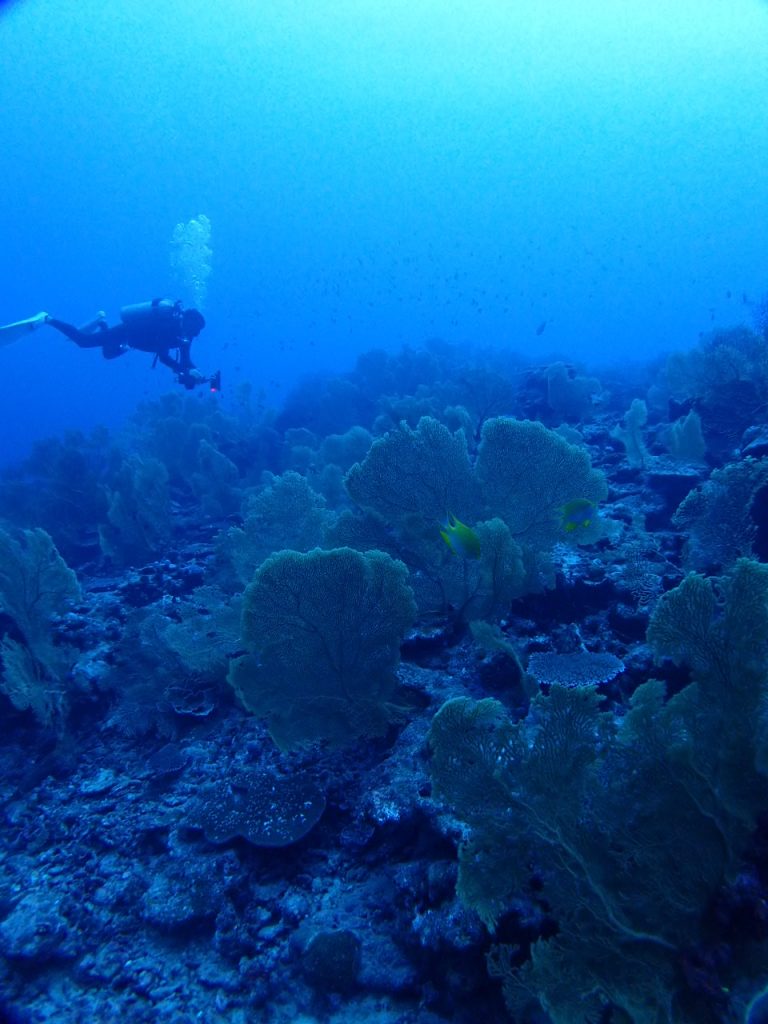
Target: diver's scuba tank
159,314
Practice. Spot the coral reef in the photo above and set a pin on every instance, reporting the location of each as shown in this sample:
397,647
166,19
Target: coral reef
272,749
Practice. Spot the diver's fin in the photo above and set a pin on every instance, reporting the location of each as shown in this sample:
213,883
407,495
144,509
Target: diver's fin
13,332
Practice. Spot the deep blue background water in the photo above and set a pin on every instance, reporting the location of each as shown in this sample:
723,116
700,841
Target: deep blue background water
375,173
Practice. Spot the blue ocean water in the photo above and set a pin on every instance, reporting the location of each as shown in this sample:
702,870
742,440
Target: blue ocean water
419,674
374,174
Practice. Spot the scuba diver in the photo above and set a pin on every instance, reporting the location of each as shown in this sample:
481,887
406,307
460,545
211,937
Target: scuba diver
161,326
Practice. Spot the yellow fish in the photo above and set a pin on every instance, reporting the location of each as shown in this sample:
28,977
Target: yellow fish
460,538
577,514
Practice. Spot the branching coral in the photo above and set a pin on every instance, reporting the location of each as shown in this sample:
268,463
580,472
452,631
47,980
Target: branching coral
35,584
286,514
631,826
324,629
415,477
717,516
523,479
527,473
139,513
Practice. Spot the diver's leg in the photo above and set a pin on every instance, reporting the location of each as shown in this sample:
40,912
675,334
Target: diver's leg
74,333
99,323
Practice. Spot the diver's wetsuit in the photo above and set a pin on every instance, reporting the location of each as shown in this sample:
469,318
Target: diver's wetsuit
155,327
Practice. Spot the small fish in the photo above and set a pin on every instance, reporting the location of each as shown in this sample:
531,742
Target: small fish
577,514
460,538
541,328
